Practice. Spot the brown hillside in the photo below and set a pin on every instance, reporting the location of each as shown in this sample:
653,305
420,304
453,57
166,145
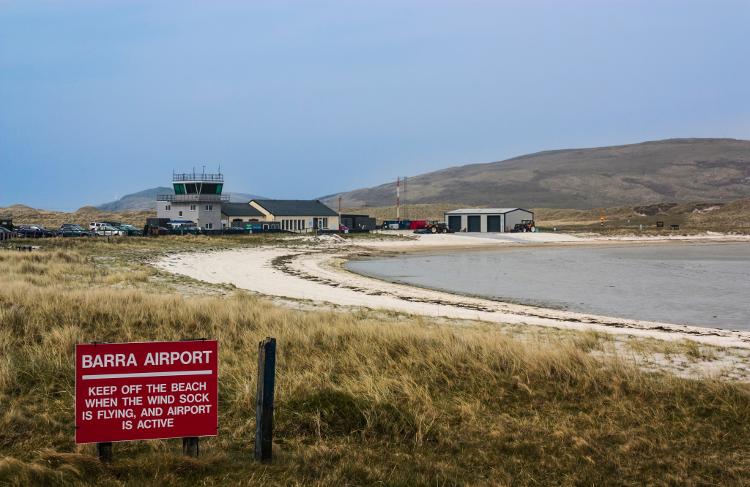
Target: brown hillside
680,170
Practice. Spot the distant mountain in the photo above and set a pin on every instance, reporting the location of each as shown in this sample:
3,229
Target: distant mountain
146,200
142,200
678,170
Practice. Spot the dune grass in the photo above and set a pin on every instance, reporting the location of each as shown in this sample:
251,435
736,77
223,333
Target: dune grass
360,400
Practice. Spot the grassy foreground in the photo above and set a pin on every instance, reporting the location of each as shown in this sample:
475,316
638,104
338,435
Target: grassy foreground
362,399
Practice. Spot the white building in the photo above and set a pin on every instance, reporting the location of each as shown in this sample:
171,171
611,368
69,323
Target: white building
297,215
197,198
486,219
239,214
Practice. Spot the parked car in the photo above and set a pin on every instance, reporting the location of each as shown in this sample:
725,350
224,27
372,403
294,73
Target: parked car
72,230
105,229
108,231
33,231
130,230
6,234
187,230
183,227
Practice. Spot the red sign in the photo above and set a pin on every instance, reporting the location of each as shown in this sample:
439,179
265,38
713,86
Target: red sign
145,391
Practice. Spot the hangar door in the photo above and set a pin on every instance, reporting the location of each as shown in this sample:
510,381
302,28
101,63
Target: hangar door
454,222
493,223
474,223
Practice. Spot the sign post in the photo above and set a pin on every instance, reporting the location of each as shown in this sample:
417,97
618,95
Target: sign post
146,391
264,400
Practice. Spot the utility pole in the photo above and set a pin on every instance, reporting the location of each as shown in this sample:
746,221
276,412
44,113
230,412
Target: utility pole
398,198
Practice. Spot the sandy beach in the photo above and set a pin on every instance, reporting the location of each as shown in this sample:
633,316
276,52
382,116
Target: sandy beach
312,270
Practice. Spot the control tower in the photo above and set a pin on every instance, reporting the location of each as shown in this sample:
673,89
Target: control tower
197,198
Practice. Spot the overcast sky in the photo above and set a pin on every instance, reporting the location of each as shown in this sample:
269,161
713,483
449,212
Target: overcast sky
301,99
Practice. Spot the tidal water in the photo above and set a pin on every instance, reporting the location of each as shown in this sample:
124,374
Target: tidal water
692,284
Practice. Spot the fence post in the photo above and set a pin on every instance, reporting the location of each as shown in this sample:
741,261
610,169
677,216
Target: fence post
104,452
264,399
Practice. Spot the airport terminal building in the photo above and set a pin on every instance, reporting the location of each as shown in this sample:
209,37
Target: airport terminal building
198,199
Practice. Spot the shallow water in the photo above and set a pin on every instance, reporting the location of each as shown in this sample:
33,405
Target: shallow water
692,284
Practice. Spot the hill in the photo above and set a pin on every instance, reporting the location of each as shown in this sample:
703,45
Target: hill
146,200
677,170
142,200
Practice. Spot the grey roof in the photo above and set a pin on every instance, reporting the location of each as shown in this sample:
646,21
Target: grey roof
239,209
296,207
483,211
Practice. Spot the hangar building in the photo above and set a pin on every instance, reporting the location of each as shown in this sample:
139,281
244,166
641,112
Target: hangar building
486,219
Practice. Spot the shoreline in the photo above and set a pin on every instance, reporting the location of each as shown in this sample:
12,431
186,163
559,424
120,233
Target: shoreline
315,273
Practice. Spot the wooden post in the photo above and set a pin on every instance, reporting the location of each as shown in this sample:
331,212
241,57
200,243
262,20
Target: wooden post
104,452
264,399
190,446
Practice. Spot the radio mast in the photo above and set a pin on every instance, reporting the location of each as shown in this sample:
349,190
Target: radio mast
406,203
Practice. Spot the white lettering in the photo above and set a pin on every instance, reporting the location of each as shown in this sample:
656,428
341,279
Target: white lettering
108,360
184,358
188,386
193,398
155,423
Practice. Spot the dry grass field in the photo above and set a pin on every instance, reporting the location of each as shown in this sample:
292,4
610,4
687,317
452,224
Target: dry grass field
363,398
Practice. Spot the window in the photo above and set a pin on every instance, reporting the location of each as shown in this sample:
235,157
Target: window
325,222
192,207
180,213
168,207
209,226
209,207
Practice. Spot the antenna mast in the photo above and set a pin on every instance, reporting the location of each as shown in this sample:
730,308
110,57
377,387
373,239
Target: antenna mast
406,214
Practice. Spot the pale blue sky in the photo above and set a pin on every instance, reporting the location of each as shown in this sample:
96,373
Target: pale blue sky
301,99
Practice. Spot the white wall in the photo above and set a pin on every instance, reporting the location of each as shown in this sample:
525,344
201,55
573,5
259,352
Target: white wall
200,216
465,221
516,216
307,223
